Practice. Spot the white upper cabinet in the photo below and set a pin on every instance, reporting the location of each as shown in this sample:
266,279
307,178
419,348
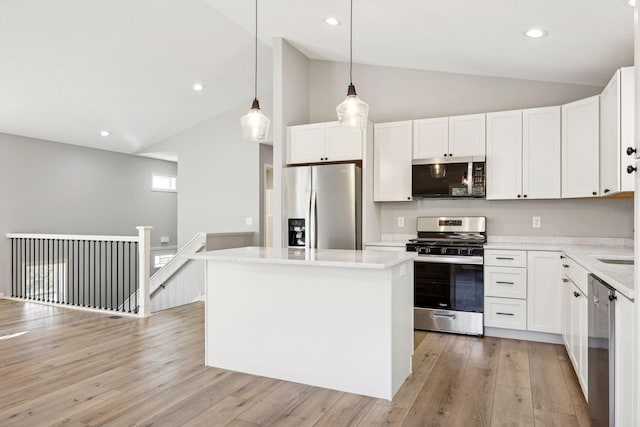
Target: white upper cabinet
431,138
392,161
324,142
581,148
343,143
467,135
504,155
541,147
306,143
616,133
444,137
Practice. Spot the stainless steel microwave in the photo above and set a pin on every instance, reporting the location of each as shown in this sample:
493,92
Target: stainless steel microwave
450,180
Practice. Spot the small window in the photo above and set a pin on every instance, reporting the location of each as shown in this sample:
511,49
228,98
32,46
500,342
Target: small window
163,183
160,261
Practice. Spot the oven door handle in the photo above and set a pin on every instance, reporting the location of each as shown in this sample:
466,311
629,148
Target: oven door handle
443,315
443,259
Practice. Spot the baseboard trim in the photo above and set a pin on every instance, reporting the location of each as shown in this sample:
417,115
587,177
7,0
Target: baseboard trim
523,335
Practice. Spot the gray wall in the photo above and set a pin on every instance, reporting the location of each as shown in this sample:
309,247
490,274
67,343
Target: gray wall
266,158
569,218
291,106
402,94
217,173
48,187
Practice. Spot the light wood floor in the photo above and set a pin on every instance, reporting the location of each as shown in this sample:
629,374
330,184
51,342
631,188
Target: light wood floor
74,368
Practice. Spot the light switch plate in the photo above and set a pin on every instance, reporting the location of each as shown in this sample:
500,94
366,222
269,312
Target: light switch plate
249,220
400,221
165,239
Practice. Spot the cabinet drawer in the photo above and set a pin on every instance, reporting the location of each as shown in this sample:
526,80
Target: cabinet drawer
504,258
574,271
505,313
505,282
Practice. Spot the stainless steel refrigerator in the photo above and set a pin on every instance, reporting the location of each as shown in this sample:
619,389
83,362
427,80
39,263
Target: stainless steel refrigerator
323,206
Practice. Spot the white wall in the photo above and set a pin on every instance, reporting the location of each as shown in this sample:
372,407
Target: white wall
48,187
402,94
218,175
291,106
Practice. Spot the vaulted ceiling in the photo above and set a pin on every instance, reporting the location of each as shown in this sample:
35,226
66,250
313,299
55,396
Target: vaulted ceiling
72,68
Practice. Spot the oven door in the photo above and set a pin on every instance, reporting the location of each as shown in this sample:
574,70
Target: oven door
447,283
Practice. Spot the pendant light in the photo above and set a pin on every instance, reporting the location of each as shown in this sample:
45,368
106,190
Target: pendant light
255,125
352,111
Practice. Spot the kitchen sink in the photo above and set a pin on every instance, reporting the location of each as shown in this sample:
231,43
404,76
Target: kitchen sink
619,260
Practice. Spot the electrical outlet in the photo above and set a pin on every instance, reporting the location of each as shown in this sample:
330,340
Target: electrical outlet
249,220
537,222
165,239
400,221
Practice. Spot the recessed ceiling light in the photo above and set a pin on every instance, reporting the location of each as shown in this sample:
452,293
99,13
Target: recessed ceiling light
536,33
104,133
198,87
632,3
332,21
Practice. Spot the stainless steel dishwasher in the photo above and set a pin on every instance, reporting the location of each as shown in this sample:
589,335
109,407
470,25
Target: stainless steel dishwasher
600,357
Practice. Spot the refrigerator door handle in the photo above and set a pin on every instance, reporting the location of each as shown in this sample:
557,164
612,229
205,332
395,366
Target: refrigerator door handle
313,224
307,222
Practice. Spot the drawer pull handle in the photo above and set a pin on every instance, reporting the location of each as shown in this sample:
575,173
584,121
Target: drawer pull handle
565,265
565,280
505,283
504,258
504,314
575,294
443,315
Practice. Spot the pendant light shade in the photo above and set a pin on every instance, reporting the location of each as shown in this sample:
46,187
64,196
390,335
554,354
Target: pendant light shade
254,124
352,111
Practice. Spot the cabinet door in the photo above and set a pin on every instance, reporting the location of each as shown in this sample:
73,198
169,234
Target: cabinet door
544,292
580,148
467,135
342,142
541,173
504,155
392,161
627,126
431,138
624,359
582,344
306,143
610,137
566,314
579,335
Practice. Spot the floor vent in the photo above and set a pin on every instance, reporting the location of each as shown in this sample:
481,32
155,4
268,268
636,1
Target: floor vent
115,317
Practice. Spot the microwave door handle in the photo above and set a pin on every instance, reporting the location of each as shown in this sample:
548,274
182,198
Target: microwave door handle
470,178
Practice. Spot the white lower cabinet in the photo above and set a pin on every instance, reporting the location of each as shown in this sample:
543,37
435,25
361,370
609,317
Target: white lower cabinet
507,313
624,359
575,329
505,289
544,292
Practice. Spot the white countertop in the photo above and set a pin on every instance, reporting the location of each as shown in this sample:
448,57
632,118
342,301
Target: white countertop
620,277
312,257
389,243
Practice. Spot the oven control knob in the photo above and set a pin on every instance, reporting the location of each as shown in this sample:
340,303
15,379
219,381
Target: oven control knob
423,251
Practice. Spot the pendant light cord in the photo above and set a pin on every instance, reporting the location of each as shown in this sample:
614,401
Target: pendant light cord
350,44
255,74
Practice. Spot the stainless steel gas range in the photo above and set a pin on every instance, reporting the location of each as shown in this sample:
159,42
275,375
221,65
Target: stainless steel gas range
448,274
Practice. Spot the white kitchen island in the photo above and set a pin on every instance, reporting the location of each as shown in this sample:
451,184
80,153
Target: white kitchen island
339,319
